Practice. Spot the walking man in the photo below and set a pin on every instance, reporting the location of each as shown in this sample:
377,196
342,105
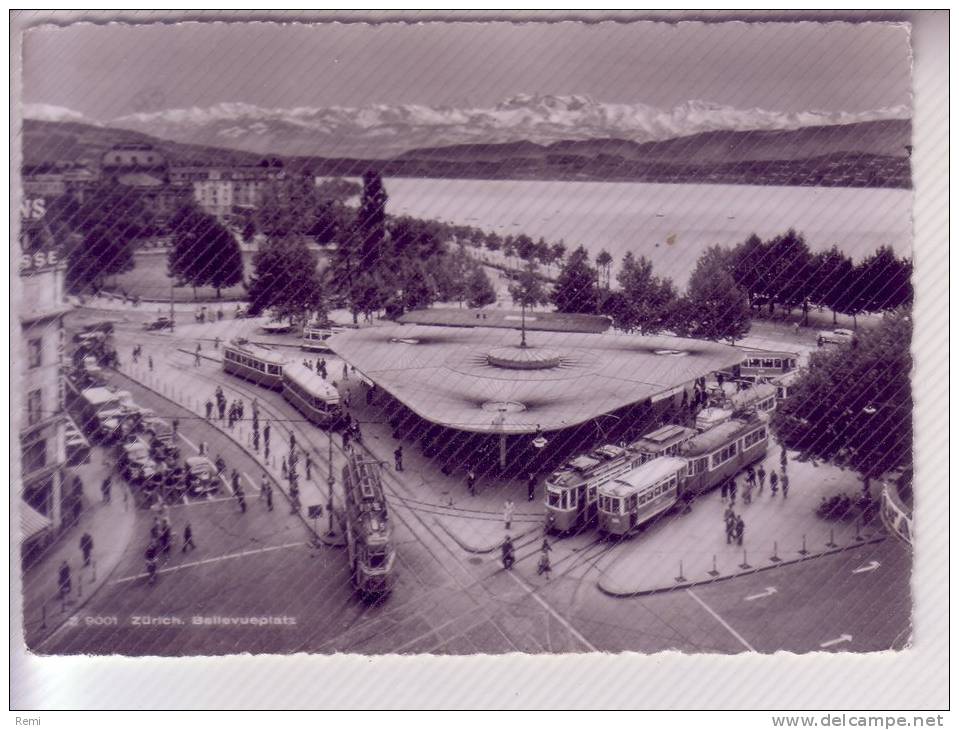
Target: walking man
724,490
531,487
196,357
785,483
762,478
732,491
322,368
266,437
508,513
740,528
309,466
783,460
346,373
221,407
209,409
773,483
188,543
266,491
544,564
105,489
471,482
176,427
294,499
86,547
240,497
730,524
63,579
150,362
398,458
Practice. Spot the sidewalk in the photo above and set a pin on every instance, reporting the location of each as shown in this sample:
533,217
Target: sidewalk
111,527
778,531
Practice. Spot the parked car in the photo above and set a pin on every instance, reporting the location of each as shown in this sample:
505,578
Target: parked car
201,476
160,323
135,463
838,336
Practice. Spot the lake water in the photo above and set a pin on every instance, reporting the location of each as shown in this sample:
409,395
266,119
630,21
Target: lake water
669,224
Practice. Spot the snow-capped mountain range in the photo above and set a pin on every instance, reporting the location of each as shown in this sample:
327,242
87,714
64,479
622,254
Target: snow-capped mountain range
383,131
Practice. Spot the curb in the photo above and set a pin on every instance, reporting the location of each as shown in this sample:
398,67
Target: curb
721,578
483,550
51,629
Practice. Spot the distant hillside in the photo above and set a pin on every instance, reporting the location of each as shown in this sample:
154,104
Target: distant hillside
46,142
866,154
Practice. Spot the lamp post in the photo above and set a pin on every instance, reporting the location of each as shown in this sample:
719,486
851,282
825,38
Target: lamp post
172,314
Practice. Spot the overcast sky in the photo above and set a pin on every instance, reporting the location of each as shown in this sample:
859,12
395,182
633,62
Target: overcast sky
107,71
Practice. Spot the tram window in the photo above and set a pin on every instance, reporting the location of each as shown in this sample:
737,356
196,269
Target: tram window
631,503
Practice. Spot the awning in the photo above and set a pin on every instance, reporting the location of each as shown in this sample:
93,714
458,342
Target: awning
32,522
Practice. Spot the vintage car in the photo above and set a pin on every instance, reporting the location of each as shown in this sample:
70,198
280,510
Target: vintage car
838,336
201,476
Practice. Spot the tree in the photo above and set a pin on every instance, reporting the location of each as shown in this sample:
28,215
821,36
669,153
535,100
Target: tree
451,275
853,406
575,290
371,219
203,252
286,206
789,269
645,302
285,280
527,291
493,241
830,271
110,220
604,261
525,248
886,281
750,262
479,289
249,231
559,252
713,308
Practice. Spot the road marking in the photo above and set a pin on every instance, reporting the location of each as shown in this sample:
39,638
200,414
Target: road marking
190,443
832,642
868,567
719,618
252,483
209,561
765,594
552,612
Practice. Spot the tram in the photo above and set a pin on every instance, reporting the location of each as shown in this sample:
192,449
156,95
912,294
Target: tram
761,398
315,339
628,502
571,490
723,451
253,362
366,524
311,395
763,364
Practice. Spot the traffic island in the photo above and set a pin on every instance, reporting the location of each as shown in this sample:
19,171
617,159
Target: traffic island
482,536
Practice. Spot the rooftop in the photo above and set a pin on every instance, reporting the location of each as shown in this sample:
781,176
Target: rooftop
445,375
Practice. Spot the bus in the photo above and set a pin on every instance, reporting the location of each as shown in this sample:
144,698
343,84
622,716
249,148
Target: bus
258,364
311,395
367,527
723,451
630,501
571,489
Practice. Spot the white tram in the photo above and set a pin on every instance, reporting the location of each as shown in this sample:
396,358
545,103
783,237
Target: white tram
723,451
311,395
571,489
315,339
366,523
641,495
253,362
761,398
762,364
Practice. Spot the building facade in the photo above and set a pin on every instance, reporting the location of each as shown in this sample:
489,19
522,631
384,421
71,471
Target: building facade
39,353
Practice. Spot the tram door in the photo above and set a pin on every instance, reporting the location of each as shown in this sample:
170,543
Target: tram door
578,501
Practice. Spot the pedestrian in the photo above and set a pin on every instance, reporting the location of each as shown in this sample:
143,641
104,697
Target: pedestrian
63,579
782,458
346,373
748,492
348,399
751,476
309,466
544,564
266,437
155,530
322,368
220,464
150,362
86,547
176,427
508,513
230,415
785,485
166,537
294,499
216,343
209,409
471,482
398,458
105,489
773,483
730,528
150,554
221,407
240,498
283,470
531,487
761,473
219,316
740,529
724,490
266,491
239,409
732,490
188,543
292,442
235,481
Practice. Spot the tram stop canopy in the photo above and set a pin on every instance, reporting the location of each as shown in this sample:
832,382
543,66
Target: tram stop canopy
480,380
